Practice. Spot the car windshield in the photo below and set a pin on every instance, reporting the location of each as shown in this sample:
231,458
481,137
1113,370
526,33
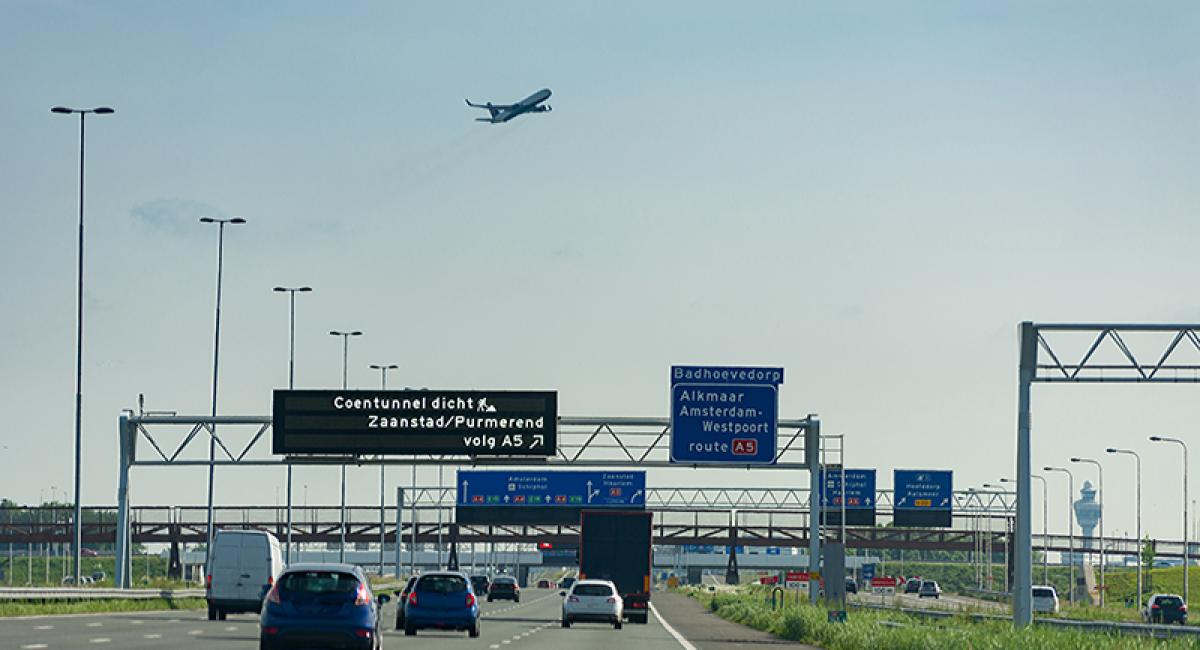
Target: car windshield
318,582
1169,601
442,584
592,590
1043,593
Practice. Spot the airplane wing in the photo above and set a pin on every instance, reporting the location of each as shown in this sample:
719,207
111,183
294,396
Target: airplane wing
499,107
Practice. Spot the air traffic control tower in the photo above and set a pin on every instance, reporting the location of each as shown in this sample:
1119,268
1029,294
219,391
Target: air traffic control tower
1087,515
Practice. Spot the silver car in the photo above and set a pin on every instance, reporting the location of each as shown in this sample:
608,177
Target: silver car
592,600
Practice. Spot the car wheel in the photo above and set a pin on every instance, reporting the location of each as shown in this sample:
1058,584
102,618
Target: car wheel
566,622
263,644
617,624
474,631
410,629
517,599
489,599
221,615
212,613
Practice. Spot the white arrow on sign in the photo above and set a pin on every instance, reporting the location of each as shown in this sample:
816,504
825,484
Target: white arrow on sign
901,501
506,498
635,496
538,439
464,491
945,501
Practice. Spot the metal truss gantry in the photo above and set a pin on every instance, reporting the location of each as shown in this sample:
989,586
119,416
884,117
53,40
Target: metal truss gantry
618,442
1111,353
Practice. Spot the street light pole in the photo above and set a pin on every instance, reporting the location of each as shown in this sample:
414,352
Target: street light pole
1045,528
345,386
383,369
77,542
1006,534
291,291
1100,489
1070,525
1138,469
1186,553
212,438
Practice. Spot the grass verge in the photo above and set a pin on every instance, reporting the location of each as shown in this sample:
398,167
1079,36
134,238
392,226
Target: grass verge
26,608
865,629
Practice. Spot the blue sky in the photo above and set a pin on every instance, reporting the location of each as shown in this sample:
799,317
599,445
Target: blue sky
871,196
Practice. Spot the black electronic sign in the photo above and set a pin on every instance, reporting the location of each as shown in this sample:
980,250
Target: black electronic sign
415,422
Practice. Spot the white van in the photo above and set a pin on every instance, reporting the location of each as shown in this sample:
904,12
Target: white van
1045,599
244,565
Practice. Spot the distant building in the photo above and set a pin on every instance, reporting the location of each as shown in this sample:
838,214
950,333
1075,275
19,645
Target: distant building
1087,515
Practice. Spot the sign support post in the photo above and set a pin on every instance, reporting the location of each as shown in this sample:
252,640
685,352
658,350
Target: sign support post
812,452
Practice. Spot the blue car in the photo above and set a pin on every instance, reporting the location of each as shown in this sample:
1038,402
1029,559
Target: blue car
321,605
444,600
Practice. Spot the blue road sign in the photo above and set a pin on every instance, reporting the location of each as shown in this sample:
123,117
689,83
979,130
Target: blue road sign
868,571
923,489
565,489
724,415
859,492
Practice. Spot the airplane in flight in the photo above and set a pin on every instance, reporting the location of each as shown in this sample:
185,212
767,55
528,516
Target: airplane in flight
504,112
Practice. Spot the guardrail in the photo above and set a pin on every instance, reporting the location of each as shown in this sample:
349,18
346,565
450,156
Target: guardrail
1137,629
77,593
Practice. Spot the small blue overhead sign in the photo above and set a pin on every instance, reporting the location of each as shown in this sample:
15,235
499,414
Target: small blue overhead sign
724,415
859,493
923,497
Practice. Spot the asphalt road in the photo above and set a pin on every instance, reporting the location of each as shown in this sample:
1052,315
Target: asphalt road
533,624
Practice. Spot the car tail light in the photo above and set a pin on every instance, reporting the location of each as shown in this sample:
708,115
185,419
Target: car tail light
1183,608
637,604
573,599
412,599
611,600
362,596
470,600
273,596
208,581
270,630
363,634
1154,606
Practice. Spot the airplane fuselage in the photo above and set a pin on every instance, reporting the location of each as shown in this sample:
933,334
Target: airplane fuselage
531,104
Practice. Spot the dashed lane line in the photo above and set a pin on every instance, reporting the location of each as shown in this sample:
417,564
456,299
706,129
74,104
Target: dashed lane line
152,636
34,646
101,640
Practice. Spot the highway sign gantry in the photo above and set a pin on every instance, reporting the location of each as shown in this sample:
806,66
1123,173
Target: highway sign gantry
724,415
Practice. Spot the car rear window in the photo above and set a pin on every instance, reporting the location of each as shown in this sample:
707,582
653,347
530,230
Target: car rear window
442,584
505,581
318,582
593,590
1169,601
1043,593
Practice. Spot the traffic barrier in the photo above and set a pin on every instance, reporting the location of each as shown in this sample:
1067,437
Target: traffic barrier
78,593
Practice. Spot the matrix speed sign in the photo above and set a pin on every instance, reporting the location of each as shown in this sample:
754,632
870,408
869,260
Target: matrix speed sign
459,423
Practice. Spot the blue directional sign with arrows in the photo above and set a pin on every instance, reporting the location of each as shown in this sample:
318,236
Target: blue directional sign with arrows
923,497
544,497
859,495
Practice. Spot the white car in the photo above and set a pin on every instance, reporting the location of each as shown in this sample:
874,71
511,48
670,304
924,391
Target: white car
1045,599
592,600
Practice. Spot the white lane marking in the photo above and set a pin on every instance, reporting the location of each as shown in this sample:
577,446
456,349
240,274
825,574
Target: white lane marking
152,636
95,624
43,627
196,632
231,628
670,630
506,641
495,646
34,646
102,640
